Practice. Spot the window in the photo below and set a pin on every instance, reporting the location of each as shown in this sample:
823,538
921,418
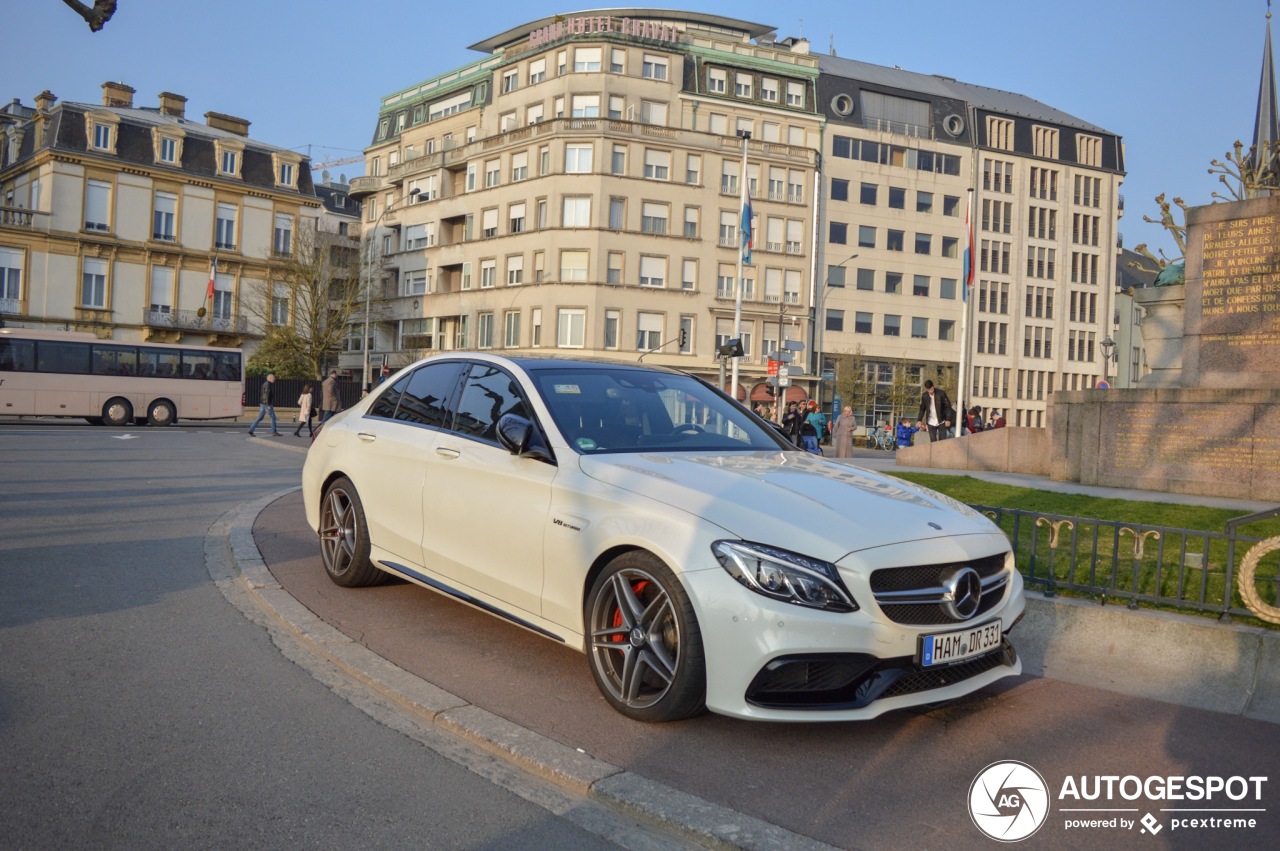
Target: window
613,271
742,85
489,223
286,174
717,81
834,320
571,328
515,215
280,305
950,247
648,331
919,328
168,150
535,327
654,67
839,233
617,60
542,214
511,329
230,162
657,165
895,240
693,169
729,177
612,322
839,189
920,285
562,60
11,274
519,166
689,275
573,265
282,241
163,216
868,194
893,283
653,112
537,71
653,271
577,159
96,204
866,279
947,288
691,222
102,137
771,131
415,283
653,218
585,106
718,124
161,288
950,205
769,90
924,243
515,270
488,274
866,236
415,236
576,212
617,213
892,325
472,170
1000,133
897,198
924,202
492,172
795,94
728,229
586,59
225,230
862,322
946,329
533,114
510,80
484,335
93,283
618,162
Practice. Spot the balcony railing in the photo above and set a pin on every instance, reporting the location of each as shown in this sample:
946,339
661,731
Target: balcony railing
18,217
11,306
190,320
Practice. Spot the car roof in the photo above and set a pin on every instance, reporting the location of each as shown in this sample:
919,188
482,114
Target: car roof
537,363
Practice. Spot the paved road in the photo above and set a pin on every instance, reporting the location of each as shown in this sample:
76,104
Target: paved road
899,781
140,709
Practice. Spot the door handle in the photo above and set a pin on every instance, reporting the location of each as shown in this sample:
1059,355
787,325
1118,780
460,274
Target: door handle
367,436
447,452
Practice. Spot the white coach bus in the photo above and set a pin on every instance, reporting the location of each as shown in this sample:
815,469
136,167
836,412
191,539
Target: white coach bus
73,374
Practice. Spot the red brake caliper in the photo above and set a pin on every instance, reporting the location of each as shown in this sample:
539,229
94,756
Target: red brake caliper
637,589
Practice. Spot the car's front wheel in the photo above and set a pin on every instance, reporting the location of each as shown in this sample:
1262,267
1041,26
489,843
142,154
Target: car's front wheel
644,644
344,538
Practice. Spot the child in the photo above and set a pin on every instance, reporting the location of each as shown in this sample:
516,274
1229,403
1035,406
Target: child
905,431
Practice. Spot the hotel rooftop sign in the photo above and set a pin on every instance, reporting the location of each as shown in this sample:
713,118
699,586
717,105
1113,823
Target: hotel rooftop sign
563,27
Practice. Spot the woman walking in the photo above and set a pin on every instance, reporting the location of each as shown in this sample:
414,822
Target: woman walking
305,412
842,433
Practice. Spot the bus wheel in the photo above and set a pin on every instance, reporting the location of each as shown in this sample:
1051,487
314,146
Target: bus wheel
161,413
117,412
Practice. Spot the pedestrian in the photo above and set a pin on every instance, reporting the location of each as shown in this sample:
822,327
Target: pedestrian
842,433
329,404
305,412
266,405
936,412
905,432
997,419
791,422
815,421
973,420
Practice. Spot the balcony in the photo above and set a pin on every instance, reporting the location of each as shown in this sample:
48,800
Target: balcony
10,307
190,320
363,187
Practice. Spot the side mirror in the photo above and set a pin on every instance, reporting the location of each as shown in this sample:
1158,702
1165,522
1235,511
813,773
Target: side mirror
516,434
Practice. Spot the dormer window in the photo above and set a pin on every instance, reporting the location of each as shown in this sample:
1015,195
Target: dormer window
230,162
102,130
167,144
286,174
102,137
287,165
230,157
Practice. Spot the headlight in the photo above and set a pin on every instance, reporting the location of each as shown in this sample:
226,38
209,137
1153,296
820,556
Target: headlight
785,576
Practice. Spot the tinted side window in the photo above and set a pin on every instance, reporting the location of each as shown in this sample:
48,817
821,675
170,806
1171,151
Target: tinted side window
428,400
385,405
17,355
63,357
115,360
489,394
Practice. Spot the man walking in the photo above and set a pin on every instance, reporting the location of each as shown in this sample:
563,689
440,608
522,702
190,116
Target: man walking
266,405
329,396
936,412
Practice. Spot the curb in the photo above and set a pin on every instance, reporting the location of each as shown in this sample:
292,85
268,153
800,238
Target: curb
236,566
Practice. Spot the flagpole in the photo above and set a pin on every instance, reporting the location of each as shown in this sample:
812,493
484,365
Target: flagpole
745,227
966,285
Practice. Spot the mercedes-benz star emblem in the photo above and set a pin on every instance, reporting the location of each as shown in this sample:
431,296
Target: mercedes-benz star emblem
961,592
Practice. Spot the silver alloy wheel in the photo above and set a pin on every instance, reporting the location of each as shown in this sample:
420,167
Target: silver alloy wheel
337,532
635,638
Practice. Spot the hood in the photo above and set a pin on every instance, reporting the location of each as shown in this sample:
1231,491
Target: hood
792,500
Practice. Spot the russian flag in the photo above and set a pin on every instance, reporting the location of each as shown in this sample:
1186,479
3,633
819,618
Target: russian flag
747,239
968,251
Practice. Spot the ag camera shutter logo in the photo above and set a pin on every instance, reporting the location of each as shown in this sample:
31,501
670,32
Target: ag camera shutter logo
1008,801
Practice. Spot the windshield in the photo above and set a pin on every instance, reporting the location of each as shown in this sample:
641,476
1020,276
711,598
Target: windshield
638,410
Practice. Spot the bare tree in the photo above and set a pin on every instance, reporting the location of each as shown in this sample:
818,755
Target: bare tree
852,384
96,15
311,300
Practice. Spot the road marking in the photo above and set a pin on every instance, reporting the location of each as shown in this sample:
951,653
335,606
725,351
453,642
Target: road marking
124,437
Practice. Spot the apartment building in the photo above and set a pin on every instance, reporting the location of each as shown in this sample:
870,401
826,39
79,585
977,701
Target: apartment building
113,214
904,156
577,190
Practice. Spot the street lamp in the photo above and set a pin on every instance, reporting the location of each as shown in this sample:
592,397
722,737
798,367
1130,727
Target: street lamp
819,322
1107,345
368,288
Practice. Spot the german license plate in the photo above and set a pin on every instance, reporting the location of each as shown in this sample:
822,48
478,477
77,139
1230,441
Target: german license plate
946,647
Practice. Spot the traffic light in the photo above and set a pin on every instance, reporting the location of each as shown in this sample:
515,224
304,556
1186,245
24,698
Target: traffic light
684,337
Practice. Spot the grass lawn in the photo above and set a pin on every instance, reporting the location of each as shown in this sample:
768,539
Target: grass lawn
1107,549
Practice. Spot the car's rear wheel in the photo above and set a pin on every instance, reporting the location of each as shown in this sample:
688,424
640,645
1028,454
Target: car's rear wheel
344,538
644,644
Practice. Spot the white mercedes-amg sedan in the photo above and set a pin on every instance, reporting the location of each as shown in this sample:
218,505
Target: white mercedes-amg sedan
643,517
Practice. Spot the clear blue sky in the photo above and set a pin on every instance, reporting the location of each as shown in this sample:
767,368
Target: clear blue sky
1177,79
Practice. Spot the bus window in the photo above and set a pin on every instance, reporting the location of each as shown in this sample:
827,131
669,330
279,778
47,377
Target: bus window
17,356
197,365
70,358
115,360
160,363
226,366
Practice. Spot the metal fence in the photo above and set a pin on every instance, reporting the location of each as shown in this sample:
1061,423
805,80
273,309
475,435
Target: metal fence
1163,565
287,391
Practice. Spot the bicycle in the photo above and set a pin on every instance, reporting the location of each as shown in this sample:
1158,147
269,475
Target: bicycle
882,438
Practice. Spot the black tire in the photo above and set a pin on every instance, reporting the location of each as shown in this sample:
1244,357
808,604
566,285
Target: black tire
344,538
93,421
117,412
643,641
161,413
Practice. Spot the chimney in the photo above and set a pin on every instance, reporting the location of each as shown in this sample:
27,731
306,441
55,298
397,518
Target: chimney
45,101
117,94
230,123
171,104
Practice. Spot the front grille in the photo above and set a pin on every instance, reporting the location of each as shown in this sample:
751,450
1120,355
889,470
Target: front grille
834,681
924,581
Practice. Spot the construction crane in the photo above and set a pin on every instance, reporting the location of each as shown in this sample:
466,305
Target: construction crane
331,163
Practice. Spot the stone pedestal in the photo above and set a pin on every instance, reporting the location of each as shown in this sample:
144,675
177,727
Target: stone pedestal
1162,331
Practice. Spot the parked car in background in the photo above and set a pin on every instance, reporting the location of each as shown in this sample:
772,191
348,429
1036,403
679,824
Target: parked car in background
641,516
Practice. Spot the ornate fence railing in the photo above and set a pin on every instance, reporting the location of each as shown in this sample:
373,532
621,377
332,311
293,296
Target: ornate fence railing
1139,563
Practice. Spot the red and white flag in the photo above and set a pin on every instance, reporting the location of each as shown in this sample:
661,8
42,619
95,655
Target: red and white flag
213,273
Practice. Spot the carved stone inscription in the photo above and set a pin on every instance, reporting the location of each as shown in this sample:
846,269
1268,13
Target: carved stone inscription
1240,305
1194,442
